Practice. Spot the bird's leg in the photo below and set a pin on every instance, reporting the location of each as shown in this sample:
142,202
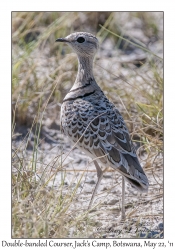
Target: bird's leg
99,176
123,199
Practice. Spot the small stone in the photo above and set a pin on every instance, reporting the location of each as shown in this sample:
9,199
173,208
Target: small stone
104,236
66,183
112,202
90,181
107,176
112,235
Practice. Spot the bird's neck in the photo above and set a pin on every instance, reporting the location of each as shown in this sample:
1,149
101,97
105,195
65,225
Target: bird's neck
85,82
85,72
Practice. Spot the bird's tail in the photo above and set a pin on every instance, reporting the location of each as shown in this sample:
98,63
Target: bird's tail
134,174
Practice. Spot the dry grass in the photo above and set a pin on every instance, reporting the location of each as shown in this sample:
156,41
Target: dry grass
42,73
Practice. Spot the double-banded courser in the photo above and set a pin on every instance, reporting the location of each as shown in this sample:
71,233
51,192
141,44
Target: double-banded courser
87,116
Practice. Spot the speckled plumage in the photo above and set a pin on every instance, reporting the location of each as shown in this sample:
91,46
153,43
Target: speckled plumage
87,116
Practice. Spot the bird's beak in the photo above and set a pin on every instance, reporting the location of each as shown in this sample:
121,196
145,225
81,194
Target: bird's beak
62,40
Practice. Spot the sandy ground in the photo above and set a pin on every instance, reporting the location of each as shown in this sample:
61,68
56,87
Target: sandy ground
144,212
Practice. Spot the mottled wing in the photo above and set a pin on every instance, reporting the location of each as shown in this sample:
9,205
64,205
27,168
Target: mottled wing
114,141
101,131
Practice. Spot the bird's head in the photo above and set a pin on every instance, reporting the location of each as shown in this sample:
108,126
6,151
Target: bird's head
83,43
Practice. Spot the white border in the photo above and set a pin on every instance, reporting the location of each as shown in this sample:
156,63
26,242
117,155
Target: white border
5,93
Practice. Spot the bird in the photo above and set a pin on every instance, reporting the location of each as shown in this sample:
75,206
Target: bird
93,122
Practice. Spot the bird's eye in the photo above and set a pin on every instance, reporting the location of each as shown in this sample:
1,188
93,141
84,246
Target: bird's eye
80,39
